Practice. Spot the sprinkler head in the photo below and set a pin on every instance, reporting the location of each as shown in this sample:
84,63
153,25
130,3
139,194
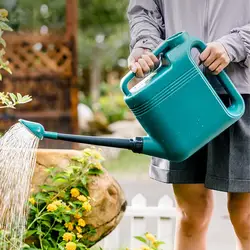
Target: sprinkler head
35,128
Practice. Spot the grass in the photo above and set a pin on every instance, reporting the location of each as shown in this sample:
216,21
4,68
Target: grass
128,162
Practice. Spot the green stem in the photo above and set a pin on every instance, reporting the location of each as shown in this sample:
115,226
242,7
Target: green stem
41,243
50,229
37,218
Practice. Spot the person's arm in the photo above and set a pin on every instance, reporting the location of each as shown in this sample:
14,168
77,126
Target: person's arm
237,44
146,24
146,31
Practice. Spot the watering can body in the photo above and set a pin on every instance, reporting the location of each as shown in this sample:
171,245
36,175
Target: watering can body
177,106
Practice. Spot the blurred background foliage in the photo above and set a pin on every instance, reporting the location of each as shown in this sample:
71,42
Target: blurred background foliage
103,44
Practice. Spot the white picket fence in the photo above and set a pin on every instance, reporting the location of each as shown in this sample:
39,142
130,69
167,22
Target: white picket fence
138,213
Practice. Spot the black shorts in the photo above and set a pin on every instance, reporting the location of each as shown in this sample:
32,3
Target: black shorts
223,164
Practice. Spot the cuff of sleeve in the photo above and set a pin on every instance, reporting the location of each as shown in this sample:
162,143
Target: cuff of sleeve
234,47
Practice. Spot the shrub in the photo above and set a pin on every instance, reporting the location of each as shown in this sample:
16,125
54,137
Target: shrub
56,218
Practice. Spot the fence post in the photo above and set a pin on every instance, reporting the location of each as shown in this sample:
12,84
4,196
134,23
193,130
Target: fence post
165,226
138,224
112,242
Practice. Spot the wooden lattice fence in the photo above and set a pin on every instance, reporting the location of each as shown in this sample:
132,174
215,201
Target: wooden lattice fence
43,67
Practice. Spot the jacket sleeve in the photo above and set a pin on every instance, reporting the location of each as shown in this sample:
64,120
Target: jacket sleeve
146,24
237,44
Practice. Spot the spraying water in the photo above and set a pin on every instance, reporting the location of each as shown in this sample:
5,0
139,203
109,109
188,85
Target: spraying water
17,162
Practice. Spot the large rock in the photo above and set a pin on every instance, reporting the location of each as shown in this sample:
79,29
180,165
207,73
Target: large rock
127,129
108,204
85,115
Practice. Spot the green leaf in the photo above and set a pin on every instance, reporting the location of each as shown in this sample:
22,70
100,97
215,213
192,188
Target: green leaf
2,41
58,219
13,97
66,218
78,203
81,246
8,70
58,228
72,204
41,196
29,233
141,239
83,190
47,187
46,223
61,247
4,19
19,97
95,171
84,180
4,26
158,243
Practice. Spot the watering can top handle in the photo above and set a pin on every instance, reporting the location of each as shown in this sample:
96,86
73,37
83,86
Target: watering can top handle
237,107
130,75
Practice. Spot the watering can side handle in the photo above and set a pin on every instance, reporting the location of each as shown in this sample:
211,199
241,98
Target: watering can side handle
130,75
237,108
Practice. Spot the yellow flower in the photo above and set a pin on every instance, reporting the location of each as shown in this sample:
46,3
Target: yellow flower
81,223
77,216
156,244
32,201
145,248
51,207
75,192
3,13
79,236
86,206
57,203
82,198
71,246
79,230
150,237
98,165
68,237
67,208
94,153
69,225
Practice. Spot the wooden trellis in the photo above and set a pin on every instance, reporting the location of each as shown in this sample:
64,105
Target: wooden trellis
44,67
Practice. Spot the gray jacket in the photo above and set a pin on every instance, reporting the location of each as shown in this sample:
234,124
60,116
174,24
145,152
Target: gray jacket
226,21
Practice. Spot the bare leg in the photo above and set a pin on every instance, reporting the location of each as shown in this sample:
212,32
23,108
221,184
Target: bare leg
239,210
195,206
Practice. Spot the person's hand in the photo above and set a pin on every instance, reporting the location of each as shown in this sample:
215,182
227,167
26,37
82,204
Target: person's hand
141,61
215,57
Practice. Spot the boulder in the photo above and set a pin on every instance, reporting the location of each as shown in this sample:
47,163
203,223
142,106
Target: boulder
85,115
108,199
127,129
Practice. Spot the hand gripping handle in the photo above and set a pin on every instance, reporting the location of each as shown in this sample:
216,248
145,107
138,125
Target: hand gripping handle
237,107
130,75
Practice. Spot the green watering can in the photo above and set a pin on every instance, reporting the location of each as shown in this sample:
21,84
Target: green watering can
176,105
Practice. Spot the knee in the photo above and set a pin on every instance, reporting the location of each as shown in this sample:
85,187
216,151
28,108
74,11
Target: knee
240,216
195,216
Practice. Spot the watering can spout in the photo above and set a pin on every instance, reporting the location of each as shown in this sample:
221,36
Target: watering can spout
144,145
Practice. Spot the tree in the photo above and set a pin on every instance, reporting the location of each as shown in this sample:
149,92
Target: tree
103,35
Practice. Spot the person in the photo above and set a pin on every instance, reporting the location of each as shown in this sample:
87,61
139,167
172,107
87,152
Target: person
223,164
